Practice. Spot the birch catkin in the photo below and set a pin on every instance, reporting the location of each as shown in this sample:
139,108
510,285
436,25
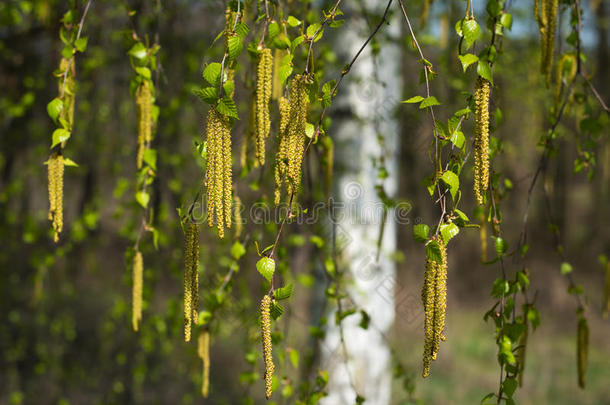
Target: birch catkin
55,168
136,310
191,277
583,350
292,137
219,171
203,350
144,102
263,96
481,139
267,347
434,298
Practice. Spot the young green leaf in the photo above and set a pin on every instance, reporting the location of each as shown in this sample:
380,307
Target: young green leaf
60,135
283,292
266,267
420,232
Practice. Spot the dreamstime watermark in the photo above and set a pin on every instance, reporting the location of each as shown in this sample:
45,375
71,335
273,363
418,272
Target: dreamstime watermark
353,208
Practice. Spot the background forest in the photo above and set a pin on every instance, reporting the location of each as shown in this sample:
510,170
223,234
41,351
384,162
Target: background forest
67,332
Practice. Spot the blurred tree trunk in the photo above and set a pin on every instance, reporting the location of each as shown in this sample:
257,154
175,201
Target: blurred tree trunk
359,359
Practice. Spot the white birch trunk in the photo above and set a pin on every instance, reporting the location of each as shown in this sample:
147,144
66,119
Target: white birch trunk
365,365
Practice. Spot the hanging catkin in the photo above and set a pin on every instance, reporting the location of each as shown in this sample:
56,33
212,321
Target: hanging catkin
521,353
55,168
292,136
144,101
277,88
203,350
434,298
267,348
219,171
238,217
282,155
583,350
136,295
263,96
545,12
191,277
481,139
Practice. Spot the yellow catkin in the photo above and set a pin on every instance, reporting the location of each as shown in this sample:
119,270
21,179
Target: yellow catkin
277,87
481,139
267,347
144,102
550,7
282,155
203,350
566,67
434,299
219,183
136,300
238,217
55,168
606,308
263,96
521,352
191,277
583,350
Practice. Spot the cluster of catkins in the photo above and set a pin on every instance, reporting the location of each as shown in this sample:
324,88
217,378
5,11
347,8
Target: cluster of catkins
191,277
218,175
481,139
292,137
546,16
434,298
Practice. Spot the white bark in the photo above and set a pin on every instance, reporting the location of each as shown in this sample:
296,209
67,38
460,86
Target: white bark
366,363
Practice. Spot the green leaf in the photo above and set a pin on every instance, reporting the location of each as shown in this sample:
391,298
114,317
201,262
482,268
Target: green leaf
138,51
294,357
237,250
150,158
506,20
461,215
283,292
467,60
509,386
471,31
484,71
142,198
566,268
500,245
67,52
242,29
311,30
309,129
144,72
415,99
448,231
54,108
227,107
429,102
70,162
458,139
433,251
234,46
266,267
452,180
60,135
293,22
420,233
207,94
211,73
276,310
81,44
